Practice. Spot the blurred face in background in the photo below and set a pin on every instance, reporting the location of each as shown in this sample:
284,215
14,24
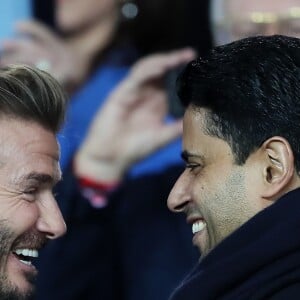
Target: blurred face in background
76,15
243,18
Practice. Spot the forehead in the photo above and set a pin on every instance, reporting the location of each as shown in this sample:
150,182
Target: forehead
194,129
197,141
27,135
27,147
193,121
238,7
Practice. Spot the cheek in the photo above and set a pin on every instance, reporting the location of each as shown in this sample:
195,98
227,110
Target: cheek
202,195
72,15
29,212
22,216
222,198
204,186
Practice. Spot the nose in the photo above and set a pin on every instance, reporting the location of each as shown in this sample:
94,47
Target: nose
51,221
179,196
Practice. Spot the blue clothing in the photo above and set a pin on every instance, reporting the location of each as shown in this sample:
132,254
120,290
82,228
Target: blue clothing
260,260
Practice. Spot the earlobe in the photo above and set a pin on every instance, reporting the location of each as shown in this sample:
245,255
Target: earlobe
279,166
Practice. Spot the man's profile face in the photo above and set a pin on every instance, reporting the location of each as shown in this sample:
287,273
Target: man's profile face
29,215
213,192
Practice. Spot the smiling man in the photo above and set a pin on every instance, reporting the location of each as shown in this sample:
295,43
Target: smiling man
240,189
31,112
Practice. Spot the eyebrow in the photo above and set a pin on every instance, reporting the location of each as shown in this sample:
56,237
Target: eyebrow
186,155
41,178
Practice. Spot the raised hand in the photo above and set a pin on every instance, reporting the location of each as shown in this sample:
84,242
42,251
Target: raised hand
131,124
37,45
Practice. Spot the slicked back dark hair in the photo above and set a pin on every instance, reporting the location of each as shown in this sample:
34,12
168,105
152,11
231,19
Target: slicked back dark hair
251,90
32,95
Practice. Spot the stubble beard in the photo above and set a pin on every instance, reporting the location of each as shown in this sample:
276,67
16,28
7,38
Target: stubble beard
7,290
229,210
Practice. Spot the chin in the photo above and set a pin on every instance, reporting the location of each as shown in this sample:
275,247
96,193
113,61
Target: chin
20,287
201,241
14,290
203,252
20,279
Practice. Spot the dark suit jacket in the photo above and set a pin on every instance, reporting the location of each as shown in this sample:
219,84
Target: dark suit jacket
261,260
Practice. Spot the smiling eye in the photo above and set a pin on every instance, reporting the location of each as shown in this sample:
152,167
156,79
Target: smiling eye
30,191
29,194
192,166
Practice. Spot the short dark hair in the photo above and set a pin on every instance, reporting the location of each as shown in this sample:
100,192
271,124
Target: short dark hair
31,94
251,90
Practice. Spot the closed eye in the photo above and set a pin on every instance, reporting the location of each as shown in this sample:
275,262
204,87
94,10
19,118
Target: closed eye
192,166
192,161
30,191
29,195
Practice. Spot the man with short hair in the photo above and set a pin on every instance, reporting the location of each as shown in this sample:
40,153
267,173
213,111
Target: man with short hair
240,189
31,112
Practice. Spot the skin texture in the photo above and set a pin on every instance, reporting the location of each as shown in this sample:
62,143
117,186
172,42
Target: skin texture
212,187
73,15
29,214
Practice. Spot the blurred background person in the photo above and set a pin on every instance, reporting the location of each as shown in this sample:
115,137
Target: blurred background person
122,243
236,19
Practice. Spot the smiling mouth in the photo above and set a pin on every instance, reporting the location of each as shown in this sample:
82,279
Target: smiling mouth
26,256
198,226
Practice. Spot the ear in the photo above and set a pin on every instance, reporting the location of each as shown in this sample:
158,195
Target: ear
279,166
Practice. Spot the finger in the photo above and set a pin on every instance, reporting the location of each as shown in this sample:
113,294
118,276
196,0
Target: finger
20,45
168,133
15,59
177,57
37,31
20,51
153,68
168,60
157,65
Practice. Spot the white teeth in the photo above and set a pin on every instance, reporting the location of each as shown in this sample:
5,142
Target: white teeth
198,226
28,263
27,252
